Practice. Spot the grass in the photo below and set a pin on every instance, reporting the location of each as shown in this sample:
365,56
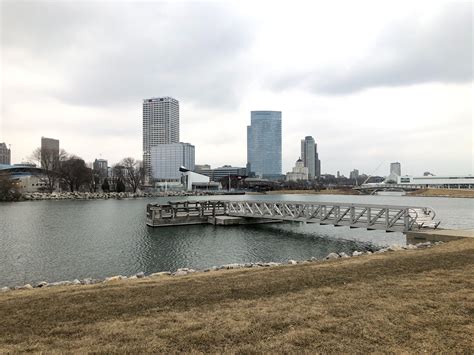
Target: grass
409,301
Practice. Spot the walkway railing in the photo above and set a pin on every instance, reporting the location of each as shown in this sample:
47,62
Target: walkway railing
382,217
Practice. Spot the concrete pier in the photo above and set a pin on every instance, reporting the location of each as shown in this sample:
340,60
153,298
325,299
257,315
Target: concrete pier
437,235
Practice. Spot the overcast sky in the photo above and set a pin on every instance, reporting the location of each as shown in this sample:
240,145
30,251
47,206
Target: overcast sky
372,82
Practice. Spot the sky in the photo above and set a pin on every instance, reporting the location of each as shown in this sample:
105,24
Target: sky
373,82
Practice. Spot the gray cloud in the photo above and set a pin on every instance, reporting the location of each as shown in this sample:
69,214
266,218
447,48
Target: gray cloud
123,52
407,53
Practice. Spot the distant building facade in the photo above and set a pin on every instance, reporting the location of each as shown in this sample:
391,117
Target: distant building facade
310,157
299,172
264,147
49,153
221,172
101,167
396,168
5,154
160,126
354,174
166,159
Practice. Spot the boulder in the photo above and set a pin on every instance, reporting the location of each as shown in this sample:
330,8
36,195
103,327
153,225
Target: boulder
180,273
331,256
292,262
270,264
162,273
357,253
41,284
87,281
113,278
394,247
24,287
411,247
344,255
76,282
5,289
140,275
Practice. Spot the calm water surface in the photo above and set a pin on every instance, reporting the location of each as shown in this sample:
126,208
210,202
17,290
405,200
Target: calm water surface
64,240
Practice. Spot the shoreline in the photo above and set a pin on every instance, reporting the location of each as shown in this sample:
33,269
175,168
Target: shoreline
406,301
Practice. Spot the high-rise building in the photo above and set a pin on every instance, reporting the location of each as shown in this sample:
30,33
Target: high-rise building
310,157
5,154
49,153
354,174
166,159
160,126
396,169
100,166
264,144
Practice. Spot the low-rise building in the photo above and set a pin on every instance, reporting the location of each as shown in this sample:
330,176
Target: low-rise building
299,172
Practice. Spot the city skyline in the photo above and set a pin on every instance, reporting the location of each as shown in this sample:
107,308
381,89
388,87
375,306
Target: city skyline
399,90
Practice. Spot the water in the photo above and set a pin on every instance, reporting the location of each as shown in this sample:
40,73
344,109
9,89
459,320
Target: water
64,240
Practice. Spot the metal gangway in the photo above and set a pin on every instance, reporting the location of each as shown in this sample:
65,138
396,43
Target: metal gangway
372,217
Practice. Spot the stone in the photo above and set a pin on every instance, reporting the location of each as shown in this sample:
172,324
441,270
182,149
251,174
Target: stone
76,282
292,262
423,245
24,287
5,289
134,277
344,255
368,252
232,266
159,274
411,247
394,247
87,281
357,253
331,256
381,251
41,284
140,275
270,264
180,273
113,278
314,259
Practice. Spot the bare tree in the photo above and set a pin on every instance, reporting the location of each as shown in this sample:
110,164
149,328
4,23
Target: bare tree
49,162
130,172
74,173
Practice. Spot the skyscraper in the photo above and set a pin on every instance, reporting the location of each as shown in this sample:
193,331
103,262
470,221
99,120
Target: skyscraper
396,169
310,157
49,153
160,126
166,159
264,144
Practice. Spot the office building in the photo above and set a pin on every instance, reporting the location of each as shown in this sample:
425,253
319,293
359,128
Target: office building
49,153
100,166
354,174
160,126
299,172
5,154
310,157
395,168
264,144
167,159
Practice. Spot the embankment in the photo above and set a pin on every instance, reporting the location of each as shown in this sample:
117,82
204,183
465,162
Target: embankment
414,301
443,193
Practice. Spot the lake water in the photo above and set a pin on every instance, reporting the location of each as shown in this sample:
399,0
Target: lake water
64,240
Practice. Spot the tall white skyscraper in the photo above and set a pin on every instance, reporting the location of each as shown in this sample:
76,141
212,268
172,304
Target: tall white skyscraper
160,126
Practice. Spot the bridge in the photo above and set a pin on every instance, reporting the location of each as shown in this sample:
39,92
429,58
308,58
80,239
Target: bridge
373,188
369,216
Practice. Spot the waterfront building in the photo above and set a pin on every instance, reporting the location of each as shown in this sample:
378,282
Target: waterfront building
101,167
160,126
264,144
395,168
443,182
49,153
299,172
222,172
27,177
5,154
354,174
167,159
310,157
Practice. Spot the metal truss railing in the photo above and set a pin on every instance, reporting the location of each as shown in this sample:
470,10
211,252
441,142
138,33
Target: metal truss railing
382,217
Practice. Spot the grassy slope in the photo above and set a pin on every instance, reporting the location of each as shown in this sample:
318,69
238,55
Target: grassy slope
413,301
443,193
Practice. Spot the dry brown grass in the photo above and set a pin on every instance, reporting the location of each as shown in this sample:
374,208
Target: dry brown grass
409,301
443,193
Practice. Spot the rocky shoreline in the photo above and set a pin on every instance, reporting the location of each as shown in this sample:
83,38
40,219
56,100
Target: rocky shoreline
40,196
188,271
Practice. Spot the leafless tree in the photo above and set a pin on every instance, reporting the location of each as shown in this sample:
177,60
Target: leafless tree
131,172
49,162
